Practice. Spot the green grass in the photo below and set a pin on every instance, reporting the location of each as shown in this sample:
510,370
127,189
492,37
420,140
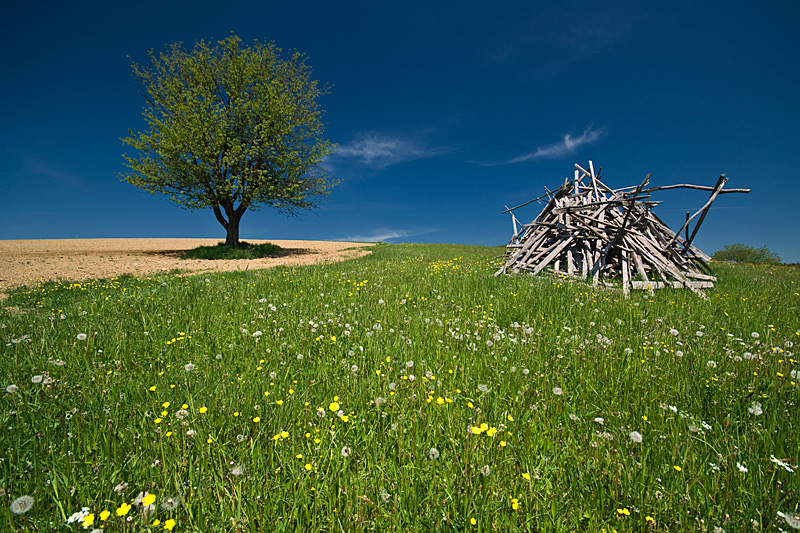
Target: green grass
245,250
409,349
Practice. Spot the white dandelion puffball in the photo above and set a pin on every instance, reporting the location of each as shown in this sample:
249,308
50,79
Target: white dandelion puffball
22,504
636,436
792,519
81,336
11,389
346,451
599,420
557,391
755,409
433,453
189,367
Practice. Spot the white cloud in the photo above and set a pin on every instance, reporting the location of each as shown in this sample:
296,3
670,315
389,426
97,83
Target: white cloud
379,150
567,146
378,235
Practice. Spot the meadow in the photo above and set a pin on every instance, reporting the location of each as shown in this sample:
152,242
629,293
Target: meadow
408,390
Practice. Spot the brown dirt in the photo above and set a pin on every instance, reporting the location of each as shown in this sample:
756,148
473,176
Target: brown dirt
31,261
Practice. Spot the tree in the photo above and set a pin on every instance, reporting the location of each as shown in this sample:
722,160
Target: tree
741,253
231,128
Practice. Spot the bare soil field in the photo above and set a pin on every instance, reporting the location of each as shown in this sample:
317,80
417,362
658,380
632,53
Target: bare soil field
27,262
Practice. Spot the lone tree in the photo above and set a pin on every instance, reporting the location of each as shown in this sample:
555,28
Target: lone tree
741,253
232,128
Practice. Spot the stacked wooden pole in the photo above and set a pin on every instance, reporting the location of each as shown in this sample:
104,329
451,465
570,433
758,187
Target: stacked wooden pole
588,230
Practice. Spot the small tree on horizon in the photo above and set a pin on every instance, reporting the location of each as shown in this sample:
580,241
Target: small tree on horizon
231,128
741,253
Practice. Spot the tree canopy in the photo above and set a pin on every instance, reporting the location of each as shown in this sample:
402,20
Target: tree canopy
741,253
231,128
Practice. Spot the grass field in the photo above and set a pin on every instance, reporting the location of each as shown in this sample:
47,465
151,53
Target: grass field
409,390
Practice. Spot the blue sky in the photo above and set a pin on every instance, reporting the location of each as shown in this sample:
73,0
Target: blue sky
444,112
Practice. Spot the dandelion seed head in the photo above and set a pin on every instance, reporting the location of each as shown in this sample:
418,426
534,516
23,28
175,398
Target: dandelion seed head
346,451
792,519
636,436
433,453
11,389
22,504
81,336
557,391
189,367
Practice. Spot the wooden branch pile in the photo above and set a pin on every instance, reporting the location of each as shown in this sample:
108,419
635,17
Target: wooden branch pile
588,230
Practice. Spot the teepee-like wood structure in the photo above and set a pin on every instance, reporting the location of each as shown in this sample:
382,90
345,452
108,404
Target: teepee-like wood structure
588,230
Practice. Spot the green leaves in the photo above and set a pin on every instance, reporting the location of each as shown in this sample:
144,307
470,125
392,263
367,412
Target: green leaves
230,126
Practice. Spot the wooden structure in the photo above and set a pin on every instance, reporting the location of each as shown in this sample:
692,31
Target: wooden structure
588,230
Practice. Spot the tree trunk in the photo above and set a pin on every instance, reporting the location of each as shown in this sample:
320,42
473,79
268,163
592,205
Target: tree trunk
232,238
231,225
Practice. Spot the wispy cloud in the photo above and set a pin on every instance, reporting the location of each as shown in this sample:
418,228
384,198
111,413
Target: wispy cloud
385,235
377,151
567,146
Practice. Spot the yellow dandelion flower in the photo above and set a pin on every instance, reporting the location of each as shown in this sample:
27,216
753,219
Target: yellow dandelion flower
88,520
470,405
624,511
503,443
473,521
279,402
168,434
510,418
165,405
677,468
156,522
526,475
308,466
169,524
153,388
284,434
105,514
147,500
209,440
203,409
334,406
185,406
256,419
157,420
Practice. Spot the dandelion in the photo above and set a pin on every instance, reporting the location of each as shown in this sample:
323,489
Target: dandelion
486,470
321,412
673,332
121,487
514,503
149,499
599,420
527,476
346,451
379,401
755,335
191,433
792,519
172,502
308,467
180,414
741,468
81,336
711,364
557,391
22,504
677,468
624,511
169,524
636,436
483,388
11,389
433,453
755,409
36,379
334,405
189,367
473,521
794,374
104,515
